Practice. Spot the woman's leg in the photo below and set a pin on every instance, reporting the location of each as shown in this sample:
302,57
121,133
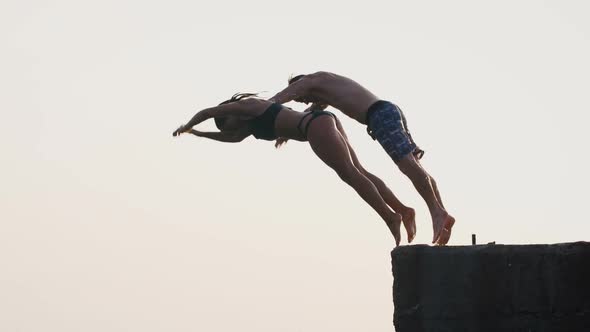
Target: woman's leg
330,146
408,214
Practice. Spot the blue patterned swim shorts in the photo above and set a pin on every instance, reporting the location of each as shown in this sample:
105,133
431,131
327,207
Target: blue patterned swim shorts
386,124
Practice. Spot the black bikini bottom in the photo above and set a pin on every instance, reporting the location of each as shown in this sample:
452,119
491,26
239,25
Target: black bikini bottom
314,115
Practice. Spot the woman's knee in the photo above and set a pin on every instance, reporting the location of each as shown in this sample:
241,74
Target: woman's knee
347,173
431,180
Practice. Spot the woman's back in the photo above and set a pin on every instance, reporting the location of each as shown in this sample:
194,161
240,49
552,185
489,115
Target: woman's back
268,121
288,123
274,120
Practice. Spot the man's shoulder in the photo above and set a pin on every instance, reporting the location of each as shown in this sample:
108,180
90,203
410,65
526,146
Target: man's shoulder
321,73
320,77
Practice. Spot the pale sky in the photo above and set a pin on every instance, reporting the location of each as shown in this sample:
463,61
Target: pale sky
107,223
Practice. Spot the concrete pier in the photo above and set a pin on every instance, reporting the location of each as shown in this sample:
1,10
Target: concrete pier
492,288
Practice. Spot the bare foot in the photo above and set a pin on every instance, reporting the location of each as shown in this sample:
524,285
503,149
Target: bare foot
438,222
445,234
394,224
409,220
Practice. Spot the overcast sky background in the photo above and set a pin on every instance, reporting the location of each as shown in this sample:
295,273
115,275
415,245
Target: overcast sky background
107,223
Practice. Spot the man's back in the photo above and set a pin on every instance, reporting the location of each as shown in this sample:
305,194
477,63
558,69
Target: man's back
342,93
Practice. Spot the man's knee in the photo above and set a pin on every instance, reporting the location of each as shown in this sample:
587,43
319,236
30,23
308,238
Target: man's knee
411,168
407,165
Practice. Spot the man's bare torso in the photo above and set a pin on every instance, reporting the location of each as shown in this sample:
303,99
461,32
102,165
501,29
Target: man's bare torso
342,93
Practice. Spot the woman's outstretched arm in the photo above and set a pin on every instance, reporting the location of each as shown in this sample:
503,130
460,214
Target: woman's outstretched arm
227,137
245,107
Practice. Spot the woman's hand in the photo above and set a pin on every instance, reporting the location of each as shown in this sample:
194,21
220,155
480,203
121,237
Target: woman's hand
182,129
196,132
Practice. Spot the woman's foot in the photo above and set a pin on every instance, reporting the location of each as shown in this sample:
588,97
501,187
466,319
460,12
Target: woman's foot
394,224
409,220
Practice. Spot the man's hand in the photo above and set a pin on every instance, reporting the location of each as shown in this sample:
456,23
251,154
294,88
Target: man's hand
280,141
317,107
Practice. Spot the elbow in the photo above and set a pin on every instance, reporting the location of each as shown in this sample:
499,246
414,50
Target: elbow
239,138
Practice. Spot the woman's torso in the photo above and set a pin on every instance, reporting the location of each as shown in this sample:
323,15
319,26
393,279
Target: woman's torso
276,120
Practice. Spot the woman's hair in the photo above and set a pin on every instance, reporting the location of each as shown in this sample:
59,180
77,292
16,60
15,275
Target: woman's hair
219,121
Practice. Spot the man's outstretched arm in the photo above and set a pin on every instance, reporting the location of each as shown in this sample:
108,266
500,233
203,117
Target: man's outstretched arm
293,91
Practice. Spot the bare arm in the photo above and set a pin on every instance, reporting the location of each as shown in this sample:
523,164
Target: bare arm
293,91
227,137
246,107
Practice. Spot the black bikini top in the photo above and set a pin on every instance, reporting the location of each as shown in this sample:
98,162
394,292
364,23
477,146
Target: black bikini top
263,126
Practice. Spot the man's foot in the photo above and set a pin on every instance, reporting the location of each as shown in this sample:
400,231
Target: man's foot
409,220
438,222
445,235
442,229
394,224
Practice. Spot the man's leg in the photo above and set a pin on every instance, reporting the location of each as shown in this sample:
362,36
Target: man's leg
442,222
435,187
388,126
